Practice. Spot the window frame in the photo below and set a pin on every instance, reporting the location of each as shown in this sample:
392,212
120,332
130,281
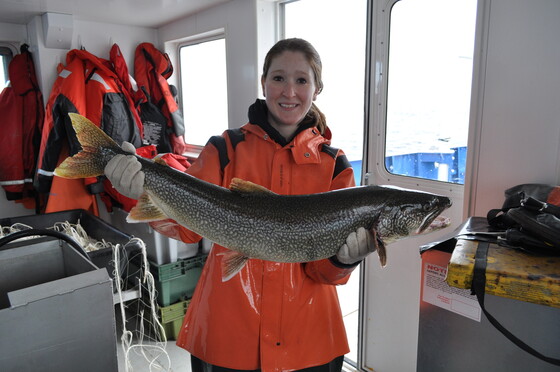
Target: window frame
456,156
193,150
9,51
376,108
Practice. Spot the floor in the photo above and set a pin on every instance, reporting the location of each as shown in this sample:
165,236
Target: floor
148,355
175,360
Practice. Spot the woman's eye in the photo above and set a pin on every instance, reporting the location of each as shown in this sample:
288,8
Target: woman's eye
277,78
302,81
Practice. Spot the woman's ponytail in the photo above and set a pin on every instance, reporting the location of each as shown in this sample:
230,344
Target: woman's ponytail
319,118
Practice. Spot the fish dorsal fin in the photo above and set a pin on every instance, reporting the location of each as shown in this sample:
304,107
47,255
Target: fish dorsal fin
145,211
160,161
232,263
247,187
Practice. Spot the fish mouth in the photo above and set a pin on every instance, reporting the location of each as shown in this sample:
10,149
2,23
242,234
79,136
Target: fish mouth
433,222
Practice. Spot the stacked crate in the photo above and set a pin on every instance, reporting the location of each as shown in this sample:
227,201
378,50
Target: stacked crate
174,284
175,266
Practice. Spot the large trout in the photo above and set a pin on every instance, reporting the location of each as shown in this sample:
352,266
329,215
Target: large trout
252,221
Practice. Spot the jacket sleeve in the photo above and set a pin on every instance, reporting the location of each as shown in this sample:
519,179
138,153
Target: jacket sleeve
330,270
207,168
57,132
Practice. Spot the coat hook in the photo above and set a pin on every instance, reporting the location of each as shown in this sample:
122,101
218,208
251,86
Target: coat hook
80,46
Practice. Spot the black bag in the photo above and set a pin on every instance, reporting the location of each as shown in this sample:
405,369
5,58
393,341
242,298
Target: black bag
156,131
530,217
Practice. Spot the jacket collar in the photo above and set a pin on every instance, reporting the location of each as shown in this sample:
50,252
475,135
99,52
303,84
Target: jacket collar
258,114
305,146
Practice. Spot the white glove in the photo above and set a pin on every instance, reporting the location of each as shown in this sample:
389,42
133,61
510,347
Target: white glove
358,245
124,172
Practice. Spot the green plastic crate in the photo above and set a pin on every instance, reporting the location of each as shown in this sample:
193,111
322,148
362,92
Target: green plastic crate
175,281
175,269
173,328
172,318
172,312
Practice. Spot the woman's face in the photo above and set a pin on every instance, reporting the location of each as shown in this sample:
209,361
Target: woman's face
289,88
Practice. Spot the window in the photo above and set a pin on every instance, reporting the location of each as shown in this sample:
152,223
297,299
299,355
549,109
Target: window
431,45
342,51
5,58
204,90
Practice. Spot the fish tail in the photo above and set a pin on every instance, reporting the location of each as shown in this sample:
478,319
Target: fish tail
89,162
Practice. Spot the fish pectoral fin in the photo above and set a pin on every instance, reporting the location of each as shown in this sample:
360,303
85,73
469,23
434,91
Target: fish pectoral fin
380,248
232,263
145,211
242,186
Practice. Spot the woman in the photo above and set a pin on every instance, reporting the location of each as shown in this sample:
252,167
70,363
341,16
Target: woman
270,316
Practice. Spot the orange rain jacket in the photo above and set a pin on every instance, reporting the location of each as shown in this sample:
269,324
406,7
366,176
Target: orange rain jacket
272,316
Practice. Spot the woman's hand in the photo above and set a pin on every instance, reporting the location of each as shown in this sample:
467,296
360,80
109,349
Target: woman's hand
358,245
125,174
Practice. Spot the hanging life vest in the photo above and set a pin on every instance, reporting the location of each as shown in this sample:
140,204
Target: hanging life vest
22,112
160,114
86,85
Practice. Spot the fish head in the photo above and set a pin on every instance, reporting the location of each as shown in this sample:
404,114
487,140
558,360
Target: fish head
409,212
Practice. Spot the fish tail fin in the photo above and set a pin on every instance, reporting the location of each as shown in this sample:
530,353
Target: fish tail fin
89,162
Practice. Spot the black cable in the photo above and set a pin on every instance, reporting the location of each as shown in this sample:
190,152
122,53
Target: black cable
42,232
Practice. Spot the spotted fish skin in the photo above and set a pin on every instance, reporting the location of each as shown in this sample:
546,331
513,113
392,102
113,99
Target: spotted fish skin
255,222
298,228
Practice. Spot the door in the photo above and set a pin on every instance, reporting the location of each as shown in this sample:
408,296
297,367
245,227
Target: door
419,93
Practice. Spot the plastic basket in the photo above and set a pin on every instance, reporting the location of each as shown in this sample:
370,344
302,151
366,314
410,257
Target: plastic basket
94,226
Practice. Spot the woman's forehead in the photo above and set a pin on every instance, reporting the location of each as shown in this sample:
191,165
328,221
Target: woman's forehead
289,61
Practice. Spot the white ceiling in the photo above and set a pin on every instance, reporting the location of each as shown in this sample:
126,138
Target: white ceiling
145,13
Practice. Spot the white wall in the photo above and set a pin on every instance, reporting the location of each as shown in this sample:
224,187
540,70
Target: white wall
95,37
249,28
516,121
13,33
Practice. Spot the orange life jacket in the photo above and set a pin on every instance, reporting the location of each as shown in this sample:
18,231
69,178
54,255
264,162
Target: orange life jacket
86,85
152,68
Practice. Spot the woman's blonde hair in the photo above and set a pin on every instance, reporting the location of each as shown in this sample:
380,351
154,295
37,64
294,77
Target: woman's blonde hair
314,60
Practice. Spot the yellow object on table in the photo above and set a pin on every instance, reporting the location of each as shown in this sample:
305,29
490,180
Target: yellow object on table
510,273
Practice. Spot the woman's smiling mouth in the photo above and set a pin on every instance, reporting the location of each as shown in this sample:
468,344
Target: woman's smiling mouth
288,105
